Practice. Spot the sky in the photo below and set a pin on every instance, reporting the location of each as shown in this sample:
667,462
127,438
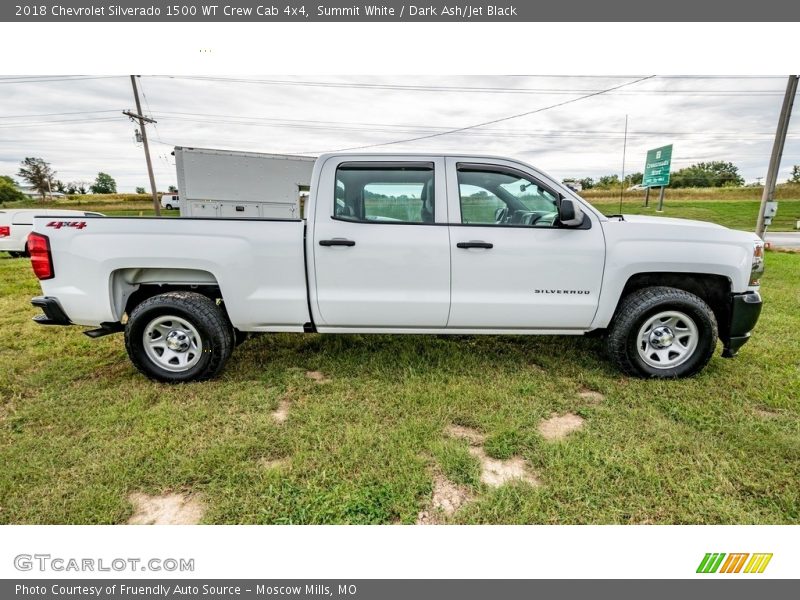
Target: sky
571,126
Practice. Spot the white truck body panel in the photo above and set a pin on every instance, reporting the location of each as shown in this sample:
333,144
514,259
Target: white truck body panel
245,185
20,223
260,262
397,277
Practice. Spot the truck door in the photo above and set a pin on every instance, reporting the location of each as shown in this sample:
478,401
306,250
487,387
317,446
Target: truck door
513,267
381,247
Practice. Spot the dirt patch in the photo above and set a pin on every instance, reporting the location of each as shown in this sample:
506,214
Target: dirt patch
473,436
558,427
274,463
591,396
767,414
169,509
281,413
318,376
496,472
446,500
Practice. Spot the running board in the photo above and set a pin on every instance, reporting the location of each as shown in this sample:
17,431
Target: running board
105,329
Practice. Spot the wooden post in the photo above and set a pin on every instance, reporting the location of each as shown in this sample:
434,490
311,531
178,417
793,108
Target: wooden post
768,193
661,200
142,120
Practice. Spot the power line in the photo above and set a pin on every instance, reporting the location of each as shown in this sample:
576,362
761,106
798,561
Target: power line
77,112
460,89
500,120
60,79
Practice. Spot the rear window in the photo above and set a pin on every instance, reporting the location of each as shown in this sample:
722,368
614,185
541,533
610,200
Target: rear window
385,192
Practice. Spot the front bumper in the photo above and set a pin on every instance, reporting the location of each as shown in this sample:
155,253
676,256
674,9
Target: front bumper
744,312
53,313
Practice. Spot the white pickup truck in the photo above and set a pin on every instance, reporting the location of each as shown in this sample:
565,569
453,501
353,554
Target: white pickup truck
16,224
405,243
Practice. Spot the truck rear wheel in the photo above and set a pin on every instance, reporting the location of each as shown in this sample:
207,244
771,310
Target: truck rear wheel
662,332
178,336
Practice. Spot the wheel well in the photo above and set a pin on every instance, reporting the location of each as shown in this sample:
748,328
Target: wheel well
143,292
132,286
714,290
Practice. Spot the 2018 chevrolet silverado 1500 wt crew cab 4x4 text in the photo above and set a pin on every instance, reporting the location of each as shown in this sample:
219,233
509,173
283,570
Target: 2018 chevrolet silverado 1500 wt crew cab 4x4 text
405,243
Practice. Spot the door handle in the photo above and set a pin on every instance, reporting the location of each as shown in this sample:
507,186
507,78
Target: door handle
475,244
337,242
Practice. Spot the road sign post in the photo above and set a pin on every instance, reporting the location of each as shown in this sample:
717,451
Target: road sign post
656,173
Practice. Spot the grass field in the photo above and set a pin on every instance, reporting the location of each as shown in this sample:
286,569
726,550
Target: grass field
362,434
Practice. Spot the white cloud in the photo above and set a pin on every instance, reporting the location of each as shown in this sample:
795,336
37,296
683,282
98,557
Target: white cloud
705,118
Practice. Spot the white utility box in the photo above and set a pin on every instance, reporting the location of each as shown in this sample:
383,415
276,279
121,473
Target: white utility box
245,185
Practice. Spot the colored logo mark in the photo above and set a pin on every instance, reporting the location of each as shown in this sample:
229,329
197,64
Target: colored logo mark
716,562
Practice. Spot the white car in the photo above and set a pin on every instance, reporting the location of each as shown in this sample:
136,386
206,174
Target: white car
16,224
406,244
170,201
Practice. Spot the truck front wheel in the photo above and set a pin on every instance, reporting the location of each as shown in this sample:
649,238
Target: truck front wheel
178,336
662,332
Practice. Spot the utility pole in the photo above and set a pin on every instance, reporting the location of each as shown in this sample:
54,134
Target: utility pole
142,120
768,195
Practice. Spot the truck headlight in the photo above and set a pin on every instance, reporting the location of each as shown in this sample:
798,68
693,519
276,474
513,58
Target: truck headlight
758,263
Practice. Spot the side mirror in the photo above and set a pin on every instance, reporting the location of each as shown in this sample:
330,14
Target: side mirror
570,213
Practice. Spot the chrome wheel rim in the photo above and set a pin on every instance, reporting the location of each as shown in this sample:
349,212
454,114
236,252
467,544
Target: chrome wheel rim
667,339
172,343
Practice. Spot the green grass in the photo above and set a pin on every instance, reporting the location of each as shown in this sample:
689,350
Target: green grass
80,429
736,214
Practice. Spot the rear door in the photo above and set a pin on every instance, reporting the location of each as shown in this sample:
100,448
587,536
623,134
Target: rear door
381,247
513,266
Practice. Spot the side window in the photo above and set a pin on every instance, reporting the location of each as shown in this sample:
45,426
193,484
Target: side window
385,192
497,196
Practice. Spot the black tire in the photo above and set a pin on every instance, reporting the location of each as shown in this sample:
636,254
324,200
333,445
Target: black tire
169,206
16,254
202,313
636,309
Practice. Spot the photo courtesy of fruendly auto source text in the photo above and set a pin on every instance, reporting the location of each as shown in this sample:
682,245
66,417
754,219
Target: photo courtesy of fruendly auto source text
399,300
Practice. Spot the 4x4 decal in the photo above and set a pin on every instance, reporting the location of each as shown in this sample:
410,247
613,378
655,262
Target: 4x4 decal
73,224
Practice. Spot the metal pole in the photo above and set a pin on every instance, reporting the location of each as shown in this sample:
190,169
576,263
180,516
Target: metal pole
156,205
661,200
647,196
768,193
624,149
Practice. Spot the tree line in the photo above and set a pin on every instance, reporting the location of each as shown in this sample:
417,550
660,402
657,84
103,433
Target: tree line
39,174
702,175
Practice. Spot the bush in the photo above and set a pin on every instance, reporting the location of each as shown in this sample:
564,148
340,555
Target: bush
8,193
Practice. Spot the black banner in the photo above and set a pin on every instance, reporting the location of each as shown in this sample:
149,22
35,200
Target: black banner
401,10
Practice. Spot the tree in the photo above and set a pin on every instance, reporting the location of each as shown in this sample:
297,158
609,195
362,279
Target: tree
795,176
634,179
82,187
608,181
587,183
708,174
59,186
140,190
72,188
38,173
9,191
104,184
172,189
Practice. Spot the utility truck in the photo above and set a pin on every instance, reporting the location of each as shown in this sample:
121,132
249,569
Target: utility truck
243,185
405,244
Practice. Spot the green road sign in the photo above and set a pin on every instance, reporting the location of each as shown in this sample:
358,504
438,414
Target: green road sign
656,168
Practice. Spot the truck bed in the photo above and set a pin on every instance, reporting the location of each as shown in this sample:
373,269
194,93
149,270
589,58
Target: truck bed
258,262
